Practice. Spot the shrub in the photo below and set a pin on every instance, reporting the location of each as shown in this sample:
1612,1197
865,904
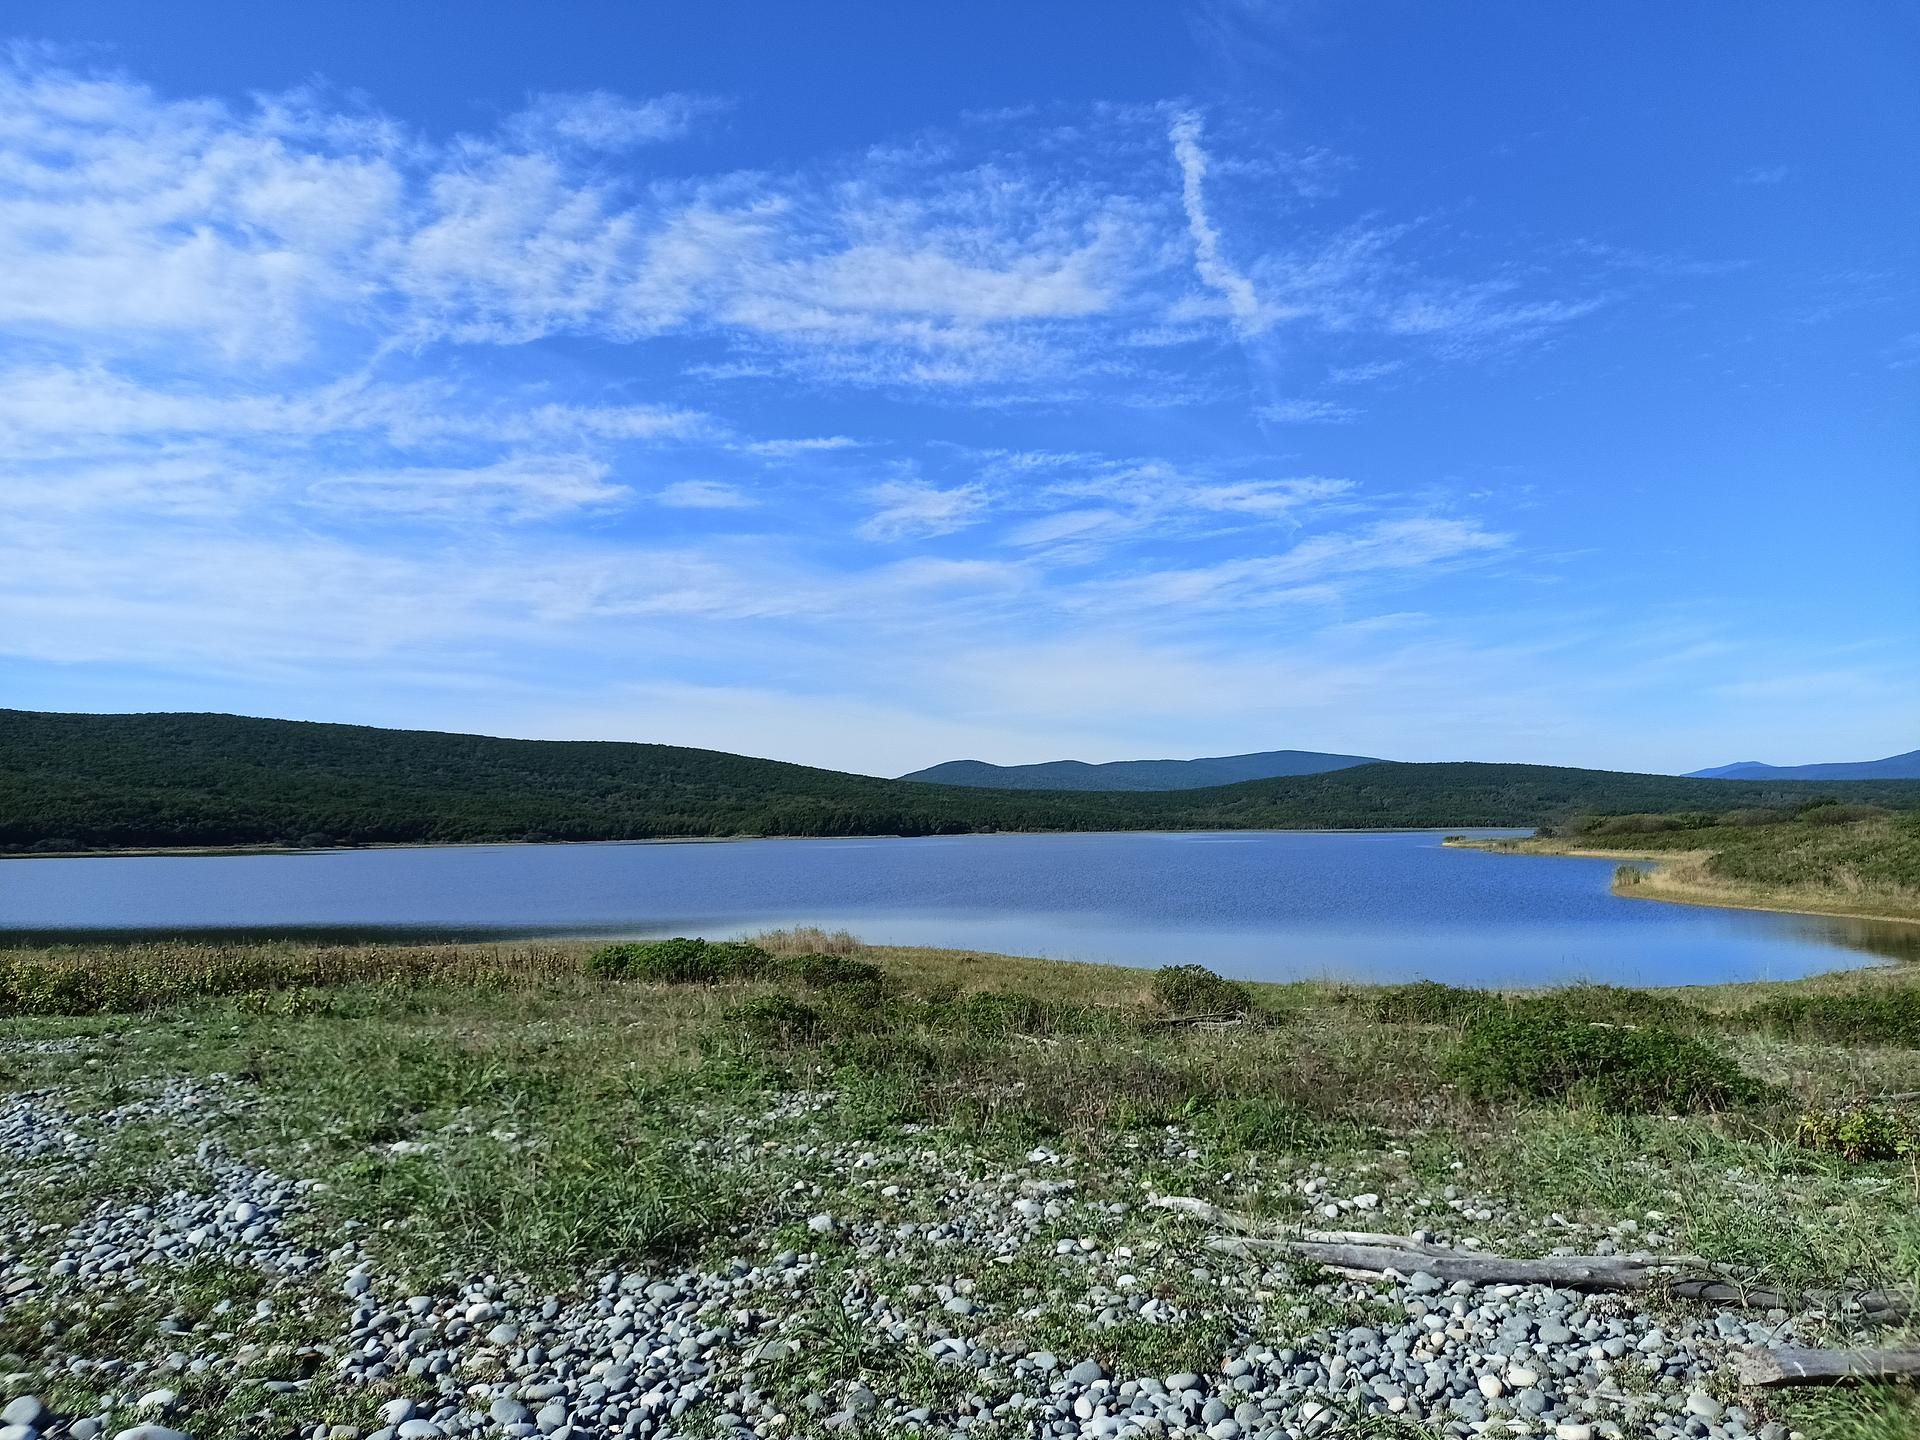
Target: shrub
1862,1132
1643,824
1626,877
1617,1005
1842,813
1428,1002
1881,1017
1196,990
773,1020
1536,1049
818,971
680,961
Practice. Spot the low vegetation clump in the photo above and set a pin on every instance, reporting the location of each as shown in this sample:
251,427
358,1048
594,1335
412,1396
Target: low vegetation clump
1881,1016
1599,826
822,972
1620,1005
773,1020
1860,1132
1540,1050
1428,1002
681,961
807,940
134,979
1196,990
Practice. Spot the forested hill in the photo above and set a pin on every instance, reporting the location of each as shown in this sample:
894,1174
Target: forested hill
159,780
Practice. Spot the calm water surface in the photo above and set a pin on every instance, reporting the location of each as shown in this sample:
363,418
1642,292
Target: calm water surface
1270,905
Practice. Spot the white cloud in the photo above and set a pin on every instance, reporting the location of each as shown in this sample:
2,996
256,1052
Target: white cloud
1365,372
600,120
1763,175
1208,262
528,487
1321,569
788,449
1269,497
913,509
1306,412
704,495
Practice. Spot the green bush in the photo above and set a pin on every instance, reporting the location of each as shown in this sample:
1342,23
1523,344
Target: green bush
1536,1049
1196,990
680,961
773,1020
1842,813
1642,824
1861,1132
1428,1002
1880,1017
1618,1005
819,972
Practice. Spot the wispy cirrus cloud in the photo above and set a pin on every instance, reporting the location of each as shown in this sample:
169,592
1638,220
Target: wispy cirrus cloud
914,509
704,495
601,120
1304,411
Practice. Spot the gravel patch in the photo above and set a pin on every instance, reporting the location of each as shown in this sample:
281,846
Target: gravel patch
908,1292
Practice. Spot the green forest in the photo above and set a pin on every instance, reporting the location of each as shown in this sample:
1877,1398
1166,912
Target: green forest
71,782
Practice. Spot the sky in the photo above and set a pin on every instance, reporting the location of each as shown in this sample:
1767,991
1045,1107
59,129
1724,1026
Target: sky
872,385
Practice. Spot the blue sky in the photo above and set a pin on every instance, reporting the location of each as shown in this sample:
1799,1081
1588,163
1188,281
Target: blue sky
876,384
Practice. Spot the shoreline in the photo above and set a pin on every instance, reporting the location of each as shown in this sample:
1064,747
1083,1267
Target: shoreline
134,852
1662,884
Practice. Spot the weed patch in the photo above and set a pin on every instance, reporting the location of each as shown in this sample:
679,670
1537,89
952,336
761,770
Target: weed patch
1863,1132
1428,1002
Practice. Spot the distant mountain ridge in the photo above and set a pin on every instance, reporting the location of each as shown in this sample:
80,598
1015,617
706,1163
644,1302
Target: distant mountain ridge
1137,775
1894,767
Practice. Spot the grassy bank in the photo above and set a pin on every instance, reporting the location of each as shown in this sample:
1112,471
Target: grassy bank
978,1132
1828,859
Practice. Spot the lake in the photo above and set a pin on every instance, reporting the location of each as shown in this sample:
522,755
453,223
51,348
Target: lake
1257,905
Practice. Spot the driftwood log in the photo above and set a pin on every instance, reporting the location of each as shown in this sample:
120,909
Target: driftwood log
1768,1369
1686,1277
